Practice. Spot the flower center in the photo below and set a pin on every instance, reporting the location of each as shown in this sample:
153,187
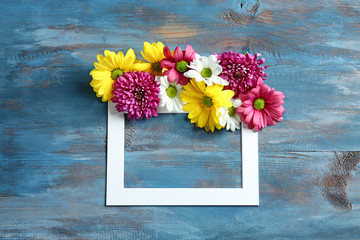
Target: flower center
156,67
206,73
171,91
181,66
139,93
116,72
207,101
259,104
238,74
232,111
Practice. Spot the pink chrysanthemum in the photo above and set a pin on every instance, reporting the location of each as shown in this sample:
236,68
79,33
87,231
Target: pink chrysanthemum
241,71
177,63
138,94
261,106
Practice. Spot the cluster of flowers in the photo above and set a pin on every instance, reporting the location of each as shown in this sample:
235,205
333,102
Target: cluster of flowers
218,91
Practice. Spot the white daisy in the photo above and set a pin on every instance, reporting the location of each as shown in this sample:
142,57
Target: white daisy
206,69
169,94
229,117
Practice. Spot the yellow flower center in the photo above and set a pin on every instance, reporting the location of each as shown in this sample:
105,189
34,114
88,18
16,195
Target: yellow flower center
206,73
156,67
207,101
181,66
232,111
171,91
259,104
116,72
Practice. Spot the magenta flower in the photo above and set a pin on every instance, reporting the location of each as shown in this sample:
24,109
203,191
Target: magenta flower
241,71
138,94
261,106
177,63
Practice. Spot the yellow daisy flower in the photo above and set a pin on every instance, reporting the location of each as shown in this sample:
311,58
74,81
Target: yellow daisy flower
108,69
153,53
203,103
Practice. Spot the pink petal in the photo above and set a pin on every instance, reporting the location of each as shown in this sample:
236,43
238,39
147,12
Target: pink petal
264,90
263,118
274,113
248,103
275,104
189,53
274,99
251,125
256,92
260,81
249,117
250,56
247,110
269,93
182,80
167,53
269,120
256,118
173,75
243,97
166,63
251,96
178,54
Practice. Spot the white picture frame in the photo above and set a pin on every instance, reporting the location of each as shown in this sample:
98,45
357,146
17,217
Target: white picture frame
118,195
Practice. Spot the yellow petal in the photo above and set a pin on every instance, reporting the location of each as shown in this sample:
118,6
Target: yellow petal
190,106
215,114
156,52
111,57
199,86
228,93
204,117
101,67
104,61
143,67
96,84
214,90
120,58
195,120
128,60
195,112
148,53
188,99
221,101
100,74
160,48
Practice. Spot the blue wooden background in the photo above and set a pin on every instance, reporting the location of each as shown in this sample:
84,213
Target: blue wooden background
53,129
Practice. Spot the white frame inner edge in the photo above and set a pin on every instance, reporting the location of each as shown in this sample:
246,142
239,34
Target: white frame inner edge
118,195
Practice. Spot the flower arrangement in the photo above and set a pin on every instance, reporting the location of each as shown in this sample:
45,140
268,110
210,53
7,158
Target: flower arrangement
218,91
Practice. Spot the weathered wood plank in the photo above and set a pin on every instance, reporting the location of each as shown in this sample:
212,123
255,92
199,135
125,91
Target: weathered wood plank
53,130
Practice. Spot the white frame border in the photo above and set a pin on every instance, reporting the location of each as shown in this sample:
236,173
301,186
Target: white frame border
118,195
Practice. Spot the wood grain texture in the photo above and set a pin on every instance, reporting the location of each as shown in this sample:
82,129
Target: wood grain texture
53,129
157,154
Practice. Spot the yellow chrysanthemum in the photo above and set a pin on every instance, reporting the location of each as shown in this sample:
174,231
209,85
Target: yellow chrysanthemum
203,103
153,53
108,69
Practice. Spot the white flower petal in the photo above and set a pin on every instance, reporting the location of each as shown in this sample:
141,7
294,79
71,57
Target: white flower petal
218,80
216,69
236,102
205,62
192,74
208,81
212,58
177,105
169,105
196,65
